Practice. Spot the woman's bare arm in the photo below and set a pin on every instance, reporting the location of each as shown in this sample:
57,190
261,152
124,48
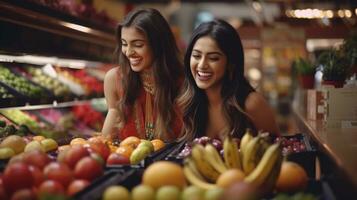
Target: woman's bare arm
111,94
261,113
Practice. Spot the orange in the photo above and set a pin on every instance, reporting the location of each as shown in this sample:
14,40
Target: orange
164,173
38,138
131,141
230,177
79,141
112,148
158,144
125,150
292,177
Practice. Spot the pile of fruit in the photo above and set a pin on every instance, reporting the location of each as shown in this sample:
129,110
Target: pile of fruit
34,174
252,169
39,77
291,145
20,84
4,93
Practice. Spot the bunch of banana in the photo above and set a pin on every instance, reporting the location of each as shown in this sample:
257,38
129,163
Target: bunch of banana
268,169
194,177
231,154
199,156
213,157
248,136
254,151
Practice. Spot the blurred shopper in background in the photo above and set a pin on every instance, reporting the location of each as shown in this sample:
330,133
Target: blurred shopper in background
217,99
141,92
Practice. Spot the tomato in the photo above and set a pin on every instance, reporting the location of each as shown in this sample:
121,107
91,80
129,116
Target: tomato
17,176
88,168
37,175
22,194
59,172
117,159
36,158
74,154
3,194
50,187
76,186
100,148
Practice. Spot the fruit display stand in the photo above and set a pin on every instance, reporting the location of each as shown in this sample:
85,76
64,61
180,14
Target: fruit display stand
335,150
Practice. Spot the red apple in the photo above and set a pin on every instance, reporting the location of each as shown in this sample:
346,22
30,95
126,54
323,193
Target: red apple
36,158
59,172
88,168
17,176
74,154
117,159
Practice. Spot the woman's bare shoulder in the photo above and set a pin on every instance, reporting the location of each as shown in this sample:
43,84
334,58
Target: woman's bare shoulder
112,74
254,101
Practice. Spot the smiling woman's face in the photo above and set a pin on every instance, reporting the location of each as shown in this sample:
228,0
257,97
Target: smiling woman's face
208,63
135,46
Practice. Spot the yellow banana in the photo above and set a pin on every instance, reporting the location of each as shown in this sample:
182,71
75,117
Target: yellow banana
195,180
231,153
252,154
248,136
269,184
213,157
265,166
203,166
191,164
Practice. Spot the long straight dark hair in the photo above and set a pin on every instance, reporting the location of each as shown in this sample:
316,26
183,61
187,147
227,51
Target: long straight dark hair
167,68
235,87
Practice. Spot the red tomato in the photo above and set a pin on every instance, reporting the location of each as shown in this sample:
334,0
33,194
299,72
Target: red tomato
59,172
74,154
50,187
36,158
22,194
17,176
37,175
101,148
76,186
117,159
88,168
3,194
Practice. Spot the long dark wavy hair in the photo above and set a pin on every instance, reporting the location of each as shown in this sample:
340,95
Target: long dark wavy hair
167,68
235,87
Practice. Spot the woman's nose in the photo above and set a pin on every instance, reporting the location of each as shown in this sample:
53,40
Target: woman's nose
202,64
129,51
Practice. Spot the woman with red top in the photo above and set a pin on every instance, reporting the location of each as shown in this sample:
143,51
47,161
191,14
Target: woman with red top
142,91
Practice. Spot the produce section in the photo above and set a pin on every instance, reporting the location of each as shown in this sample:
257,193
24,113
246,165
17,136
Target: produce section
52,110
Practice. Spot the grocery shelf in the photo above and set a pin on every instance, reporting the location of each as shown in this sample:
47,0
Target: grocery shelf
42,18
56,104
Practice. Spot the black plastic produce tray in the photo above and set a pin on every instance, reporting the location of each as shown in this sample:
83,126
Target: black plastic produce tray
161,154
305,158
128,178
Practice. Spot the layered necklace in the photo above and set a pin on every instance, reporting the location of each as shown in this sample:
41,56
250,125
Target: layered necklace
148,82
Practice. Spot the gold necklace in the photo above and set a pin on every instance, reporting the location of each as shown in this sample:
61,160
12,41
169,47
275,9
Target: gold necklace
149,86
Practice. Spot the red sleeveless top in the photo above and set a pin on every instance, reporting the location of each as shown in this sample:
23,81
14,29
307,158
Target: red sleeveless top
135,124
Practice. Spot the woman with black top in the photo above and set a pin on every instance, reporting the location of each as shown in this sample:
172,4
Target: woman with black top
217,99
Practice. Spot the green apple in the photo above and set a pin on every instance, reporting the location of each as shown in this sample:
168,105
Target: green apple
143,192
168,193
213,194
34,145
6,152
139,154
116,192
192,193
49,144
146,143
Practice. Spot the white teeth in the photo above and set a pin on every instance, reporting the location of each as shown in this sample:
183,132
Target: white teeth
204,73
135,61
